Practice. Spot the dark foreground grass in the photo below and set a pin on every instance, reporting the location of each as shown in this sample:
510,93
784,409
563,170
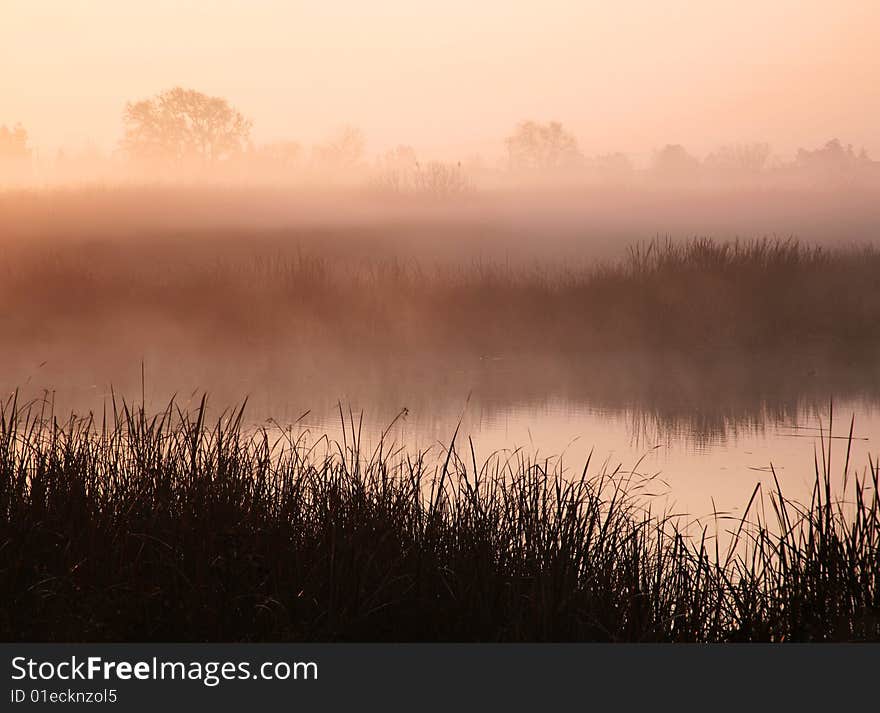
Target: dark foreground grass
130,527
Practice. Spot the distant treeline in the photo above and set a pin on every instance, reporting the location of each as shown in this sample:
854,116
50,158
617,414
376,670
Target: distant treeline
183,133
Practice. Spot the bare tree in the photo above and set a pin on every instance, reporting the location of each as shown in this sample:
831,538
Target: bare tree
395,169
542,147
183,124
436,179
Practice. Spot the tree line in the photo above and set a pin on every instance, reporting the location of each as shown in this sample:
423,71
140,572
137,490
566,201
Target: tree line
187,127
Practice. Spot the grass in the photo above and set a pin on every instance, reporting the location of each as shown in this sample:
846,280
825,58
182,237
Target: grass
169,527
704,336
679,297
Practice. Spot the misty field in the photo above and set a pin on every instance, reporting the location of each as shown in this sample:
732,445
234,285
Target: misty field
423,281
202,283
326,310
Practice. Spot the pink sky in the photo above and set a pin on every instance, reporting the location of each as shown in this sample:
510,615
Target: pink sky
453,77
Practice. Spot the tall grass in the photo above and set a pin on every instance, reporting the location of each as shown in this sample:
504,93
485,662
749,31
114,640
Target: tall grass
697,295
170,527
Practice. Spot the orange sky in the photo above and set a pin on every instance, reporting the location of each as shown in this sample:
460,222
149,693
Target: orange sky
453,77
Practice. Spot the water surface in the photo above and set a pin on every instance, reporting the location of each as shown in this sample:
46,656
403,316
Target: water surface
706,431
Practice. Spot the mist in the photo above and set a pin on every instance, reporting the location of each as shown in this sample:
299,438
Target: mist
450,79
439,321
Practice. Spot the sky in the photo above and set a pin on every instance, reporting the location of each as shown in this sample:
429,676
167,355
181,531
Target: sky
452,78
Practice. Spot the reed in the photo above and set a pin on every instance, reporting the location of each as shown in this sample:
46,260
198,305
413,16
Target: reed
128,526
688,297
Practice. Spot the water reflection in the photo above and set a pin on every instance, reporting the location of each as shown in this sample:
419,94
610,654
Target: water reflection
700,474
707,427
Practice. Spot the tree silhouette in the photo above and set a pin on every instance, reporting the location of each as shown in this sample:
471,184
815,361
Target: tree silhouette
542,147
183,124
834,164
739,158
833,156
396,169
343,151
674,163
13,143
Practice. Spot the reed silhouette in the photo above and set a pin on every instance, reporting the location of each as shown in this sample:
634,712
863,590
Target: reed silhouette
132,526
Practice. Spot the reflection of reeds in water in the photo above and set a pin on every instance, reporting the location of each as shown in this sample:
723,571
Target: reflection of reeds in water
707,336
699,429
137,527
702,428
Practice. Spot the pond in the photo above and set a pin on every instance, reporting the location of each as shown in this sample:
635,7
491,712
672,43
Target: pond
706,436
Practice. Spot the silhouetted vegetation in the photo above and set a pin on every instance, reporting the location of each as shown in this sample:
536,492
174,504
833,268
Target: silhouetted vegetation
542,148
140,527
14,143
673,164
15,153
663,295
739,159
343,151
399,172
700,338
180,125
184,134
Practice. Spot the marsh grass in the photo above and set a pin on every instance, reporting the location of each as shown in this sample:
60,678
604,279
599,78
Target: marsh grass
127,526
679,297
